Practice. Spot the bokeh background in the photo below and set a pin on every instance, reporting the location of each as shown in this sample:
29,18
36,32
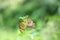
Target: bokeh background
45,13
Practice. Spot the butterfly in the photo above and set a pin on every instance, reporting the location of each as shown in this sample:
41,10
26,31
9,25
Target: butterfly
26,22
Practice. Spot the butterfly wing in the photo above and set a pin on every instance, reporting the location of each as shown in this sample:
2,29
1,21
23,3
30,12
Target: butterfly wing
30,23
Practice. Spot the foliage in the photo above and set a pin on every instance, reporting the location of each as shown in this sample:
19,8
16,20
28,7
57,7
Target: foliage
44,13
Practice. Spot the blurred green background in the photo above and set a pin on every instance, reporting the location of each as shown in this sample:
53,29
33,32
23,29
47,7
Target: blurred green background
45,13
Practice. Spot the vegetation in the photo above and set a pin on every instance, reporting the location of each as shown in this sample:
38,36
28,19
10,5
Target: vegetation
44,13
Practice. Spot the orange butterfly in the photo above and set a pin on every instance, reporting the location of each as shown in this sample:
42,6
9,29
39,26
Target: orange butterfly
29,23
